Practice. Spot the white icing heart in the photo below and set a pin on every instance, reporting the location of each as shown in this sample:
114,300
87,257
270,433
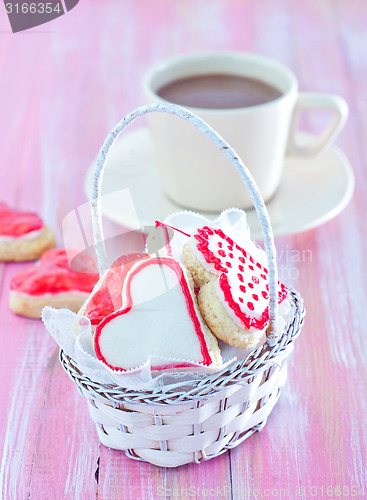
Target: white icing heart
159,317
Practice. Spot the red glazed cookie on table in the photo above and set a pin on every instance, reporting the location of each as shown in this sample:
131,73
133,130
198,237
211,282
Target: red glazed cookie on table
159,321
234,293
23,236
51,282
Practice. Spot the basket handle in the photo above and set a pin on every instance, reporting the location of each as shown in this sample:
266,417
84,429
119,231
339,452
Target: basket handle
245,175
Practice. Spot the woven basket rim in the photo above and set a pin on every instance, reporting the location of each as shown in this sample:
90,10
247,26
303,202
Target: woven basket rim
237,372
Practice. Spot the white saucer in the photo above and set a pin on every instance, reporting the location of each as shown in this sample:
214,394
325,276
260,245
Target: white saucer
312,191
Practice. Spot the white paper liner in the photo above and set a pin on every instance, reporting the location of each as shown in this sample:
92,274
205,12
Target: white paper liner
73,334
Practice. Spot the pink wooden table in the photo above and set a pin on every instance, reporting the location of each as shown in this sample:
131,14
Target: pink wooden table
63,85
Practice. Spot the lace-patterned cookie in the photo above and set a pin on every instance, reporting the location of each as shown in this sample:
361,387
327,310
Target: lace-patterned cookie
234,293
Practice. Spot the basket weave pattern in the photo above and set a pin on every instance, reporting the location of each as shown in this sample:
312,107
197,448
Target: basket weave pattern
172,428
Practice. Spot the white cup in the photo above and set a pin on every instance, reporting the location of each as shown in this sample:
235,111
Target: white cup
195,174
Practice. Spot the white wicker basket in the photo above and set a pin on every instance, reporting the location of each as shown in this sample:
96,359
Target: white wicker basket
170,427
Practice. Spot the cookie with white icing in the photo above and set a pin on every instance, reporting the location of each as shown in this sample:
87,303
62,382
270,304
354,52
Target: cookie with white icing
234,292
159,321
51,282
23,236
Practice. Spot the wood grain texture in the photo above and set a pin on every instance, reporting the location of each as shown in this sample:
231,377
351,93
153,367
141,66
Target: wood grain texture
63,86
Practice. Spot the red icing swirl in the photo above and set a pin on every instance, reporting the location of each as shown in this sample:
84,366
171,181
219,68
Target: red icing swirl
16,223
108,299
53,275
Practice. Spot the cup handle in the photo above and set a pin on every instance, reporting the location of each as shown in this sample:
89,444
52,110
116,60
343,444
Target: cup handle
308,100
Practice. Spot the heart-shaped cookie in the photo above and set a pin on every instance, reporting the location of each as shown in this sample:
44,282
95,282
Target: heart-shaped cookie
159,321
23,235
51,282
234,292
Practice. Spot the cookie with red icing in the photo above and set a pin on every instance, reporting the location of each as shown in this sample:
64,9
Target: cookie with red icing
158,321
51,282
106,297
23,236
234,292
